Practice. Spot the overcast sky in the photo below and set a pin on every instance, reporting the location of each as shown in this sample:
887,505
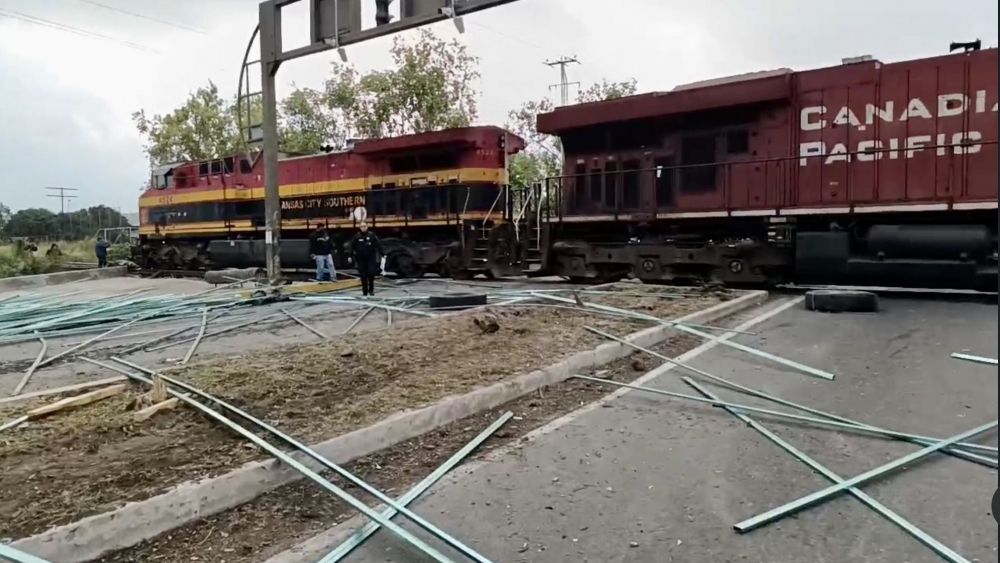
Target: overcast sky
66,98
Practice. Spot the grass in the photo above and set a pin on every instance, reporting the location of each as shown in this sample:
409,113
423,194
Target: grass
17,261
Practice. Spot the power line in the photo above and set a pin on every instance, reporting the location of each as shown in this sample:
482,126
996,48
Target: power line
63,196
144,16
564,82
71,29
531,44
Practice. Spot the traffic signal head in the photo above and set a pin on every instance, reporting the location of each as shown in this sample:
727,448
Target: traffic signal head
382,15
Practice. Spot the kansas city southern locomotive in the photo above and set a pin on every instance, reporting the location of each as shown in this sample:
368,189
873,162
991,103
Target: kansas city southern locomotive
438,200
864,172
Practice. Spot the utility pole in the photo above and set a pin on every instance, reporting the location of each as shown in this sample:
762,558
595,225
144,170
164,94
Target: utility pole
564,82
63,196
270,59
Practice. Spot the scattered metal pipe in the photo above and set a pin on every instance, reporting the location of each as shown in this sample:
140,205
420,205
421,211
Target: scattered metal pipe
923,440
420,521
197,339
301,322
819,496
370,528
944,551
13,423
977,359
291,462
687,328
358,320
254,320
18,556
780,414
388,317
34,366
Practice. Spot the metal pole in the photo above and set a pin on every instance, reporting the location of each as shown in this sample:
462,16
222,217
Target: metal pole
770,412
370,528
921,536
820,496
469,552
977,359
270,50
922,440
8,552
290,461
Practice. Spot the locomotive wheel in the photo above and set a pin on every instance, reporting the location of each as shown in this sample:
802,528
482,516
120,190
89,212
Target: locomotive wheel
841,301
404,266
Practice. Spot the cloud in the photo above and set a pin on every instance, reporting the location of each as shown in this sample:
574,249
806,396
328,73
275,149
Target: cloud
67,99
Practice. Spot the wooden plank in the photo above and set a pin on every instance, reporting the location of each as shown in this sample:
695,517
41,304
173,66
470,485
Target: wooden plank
79,400
149,411
64,389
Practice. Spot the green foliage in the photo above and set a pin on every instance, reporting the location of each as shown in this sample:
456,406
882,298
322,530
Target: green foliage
307,123
43,224
431,86
203,127
607,90
543,154
4,216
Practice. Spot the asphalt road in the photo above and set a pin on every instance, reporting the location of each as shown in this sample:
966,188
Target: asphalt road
652,479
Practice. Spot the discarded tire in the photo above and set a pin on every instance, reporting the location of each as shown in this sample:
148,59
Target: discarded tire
841,301
457,300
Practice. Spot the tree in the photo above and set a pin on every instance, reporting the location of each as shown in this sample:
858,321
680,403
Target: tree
4,216
606,90
203,127
543,154
308,123
431,87
34,222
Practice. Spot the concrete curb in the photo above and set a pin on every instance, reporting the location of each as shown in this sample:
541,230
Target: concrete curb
42,280
129,525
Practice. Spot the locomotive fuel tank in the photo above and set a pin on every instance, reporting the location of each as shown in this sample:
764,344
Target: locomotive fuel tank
930,242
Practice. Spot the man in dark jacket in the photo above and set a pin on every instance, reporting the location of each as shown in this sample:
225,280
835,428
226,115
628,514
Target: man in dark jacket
368,254
101,250
321,251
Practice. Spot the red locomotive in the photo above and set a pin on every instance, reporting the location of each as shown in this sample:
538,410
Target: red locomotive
438,201
865,173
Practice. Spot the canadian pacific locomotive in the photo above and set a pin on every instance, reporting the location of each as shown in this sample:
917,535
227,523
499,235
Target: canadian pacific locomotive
864,172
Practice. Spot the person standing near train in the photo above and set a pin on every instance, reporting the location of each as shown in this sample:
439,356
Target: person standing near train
321,250
368,253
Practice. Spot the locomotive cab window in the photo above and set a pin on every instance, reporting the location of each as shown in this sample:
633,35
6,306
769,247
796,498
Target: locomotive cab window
698,158
738,141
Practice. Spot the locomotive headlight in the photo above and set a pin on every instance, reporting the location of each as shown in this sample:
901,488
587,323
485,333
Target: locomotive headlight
735,266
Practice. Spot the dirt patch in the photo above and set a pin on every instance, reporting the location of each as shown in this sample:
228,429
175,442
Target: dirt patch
289,515
94,459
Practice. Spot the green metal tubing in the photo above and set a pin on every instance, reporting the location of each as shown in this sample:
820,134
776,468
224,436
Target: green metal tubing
291,462
377,305
944,551
197,339
977,359
358,320
819,496
252,321
417,519
370,528
32,368
922,440
686,328
17,556
304,325
780,414
13,423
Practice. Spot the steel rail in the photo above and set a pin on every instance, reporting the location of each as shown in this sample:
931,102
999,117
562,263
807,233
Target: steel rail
417,519
923,537
288,460
820,496
769,412
916,438
679,325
